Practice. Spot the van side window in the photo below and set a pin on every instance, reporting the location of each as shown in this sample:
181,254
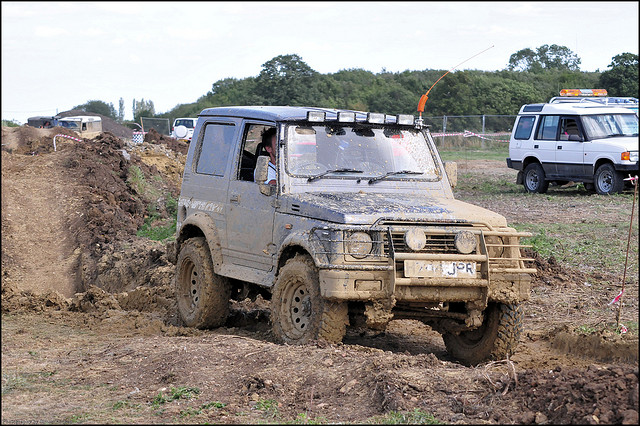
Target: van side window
548,128
251,149
523,129
216,144
568,127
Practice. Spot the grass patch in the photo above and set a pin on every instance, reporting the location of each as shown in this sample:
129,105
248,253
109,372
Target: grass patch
269,408
181,392
415,417
584,245
500,154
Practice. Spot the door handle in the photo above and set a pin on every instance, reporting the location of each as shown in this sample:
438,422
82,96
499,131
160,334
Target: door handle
235,198
559,146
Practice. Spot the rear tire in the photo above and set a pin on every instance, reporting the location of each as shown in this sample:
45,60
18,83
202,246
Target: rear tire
607,180
534,179
202,295
495,339
299,313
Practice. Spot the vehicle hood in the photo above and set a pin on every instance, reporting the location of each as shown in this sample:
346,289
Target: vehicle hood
367,208
617,144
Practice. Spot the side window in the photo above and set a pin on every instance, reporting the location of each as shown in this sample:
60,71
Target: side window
568,127
214,152
251,149
523,129
548,128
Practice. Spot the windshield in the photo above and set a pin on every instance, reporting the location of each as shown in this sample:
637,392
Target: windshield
70,124
358,152
609,125
186,123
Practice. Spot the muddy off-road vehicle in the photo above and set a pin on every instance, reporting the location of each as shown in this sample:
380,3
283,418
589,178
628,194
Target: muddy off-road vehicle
360,228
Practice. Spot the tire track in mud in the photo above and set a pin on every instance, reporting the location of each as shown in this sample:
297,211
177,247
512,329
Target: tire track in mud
36,199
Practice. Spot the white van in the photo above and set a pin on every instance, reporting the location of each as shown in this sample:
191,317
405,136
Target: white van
87,126
574,141
183,128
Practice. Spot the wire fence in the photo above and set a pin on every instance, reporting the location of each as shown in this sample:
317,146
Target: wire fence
471,131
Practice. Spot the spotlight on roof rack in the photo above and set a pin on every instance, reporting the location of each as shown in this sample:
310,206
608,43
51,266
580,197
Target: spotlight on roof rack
375,118
316,116
346,117
405,119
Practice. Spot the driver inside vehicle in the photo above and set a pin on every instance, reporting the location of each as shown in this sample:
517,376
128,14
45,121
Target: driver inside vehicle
269,144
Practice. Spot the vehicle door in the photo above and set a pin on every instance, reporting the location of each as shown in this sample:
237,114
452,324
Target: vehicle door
570,148
250,213
544,144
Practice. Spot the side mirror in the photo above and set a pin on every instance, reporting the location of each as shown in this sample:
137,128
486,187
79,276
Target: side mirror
262,172
451,168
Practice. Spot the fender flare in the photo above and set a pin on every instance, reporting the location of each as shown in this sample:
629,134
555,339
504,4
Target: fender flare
203,223
307,242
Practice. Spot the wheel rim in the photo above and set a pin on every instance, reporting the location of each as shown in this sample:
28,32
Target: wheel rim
532,180
297,309
190,289
605,181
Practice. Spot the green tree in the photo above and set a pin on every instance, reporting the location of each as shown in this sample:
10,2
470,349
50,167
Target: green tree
622,78
285,80
545,57
143,108
121,110
98,107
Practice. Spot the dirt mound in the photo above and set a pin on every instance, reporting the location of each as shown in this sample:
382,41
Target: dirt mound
154,137
168,162
108,123
30,140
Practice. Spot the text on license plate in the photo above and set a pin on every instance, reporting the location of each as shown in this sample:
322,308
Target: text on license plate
446,269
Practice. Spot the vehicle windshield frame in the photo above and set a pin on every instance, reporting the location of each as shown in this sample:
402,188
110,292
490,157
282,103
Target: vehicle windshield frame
602,126
358,151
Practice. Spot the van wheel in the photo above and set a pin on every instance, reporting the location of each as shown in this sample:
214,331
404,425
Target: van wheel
202,295
495,339
299,313
534,179
607,180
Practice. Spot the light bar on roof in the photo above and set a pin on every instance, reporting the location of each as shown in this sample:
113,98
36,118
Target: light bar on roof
316,116
346,117
583,92
375,118
406,119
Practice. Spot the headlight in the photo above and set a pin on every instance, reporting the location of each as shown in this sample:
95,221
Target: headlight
465,242
629,156
358,244
415,239
495,246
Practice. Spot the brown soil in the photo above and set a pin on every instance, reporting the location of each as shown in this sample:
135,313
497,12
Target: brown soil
90,333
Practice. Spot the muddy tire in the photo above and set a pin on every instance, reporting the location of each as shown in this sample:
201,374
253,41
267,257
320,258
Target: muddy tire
202,295
298,313
607,180
534,179
496,338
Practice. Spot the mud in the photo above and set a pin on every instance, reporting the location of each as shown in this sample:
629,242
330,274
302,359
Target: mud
89,321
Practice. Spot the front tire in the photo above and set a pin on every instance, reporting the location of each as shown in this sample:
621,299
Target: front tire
202,295
534,179
495,339
299,313
607,180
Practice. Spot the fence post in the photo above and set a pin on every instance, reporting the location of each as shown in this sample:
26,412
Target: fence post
444,129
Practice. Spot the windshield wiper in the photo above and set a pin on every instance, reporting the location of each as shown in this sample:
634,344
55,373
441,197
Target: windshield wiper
399,172
312,178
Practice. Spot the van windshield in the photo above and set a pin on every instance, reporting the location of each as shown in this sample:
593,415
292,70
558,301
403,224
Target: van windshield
358,152
602,126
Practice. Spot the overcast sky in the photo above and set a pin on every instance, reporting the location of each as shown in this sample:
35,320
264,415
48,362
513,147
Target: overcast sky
56,55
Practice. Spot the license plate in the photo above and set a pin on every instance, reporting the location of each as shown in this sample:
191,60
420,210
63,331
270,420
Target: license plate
443,269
